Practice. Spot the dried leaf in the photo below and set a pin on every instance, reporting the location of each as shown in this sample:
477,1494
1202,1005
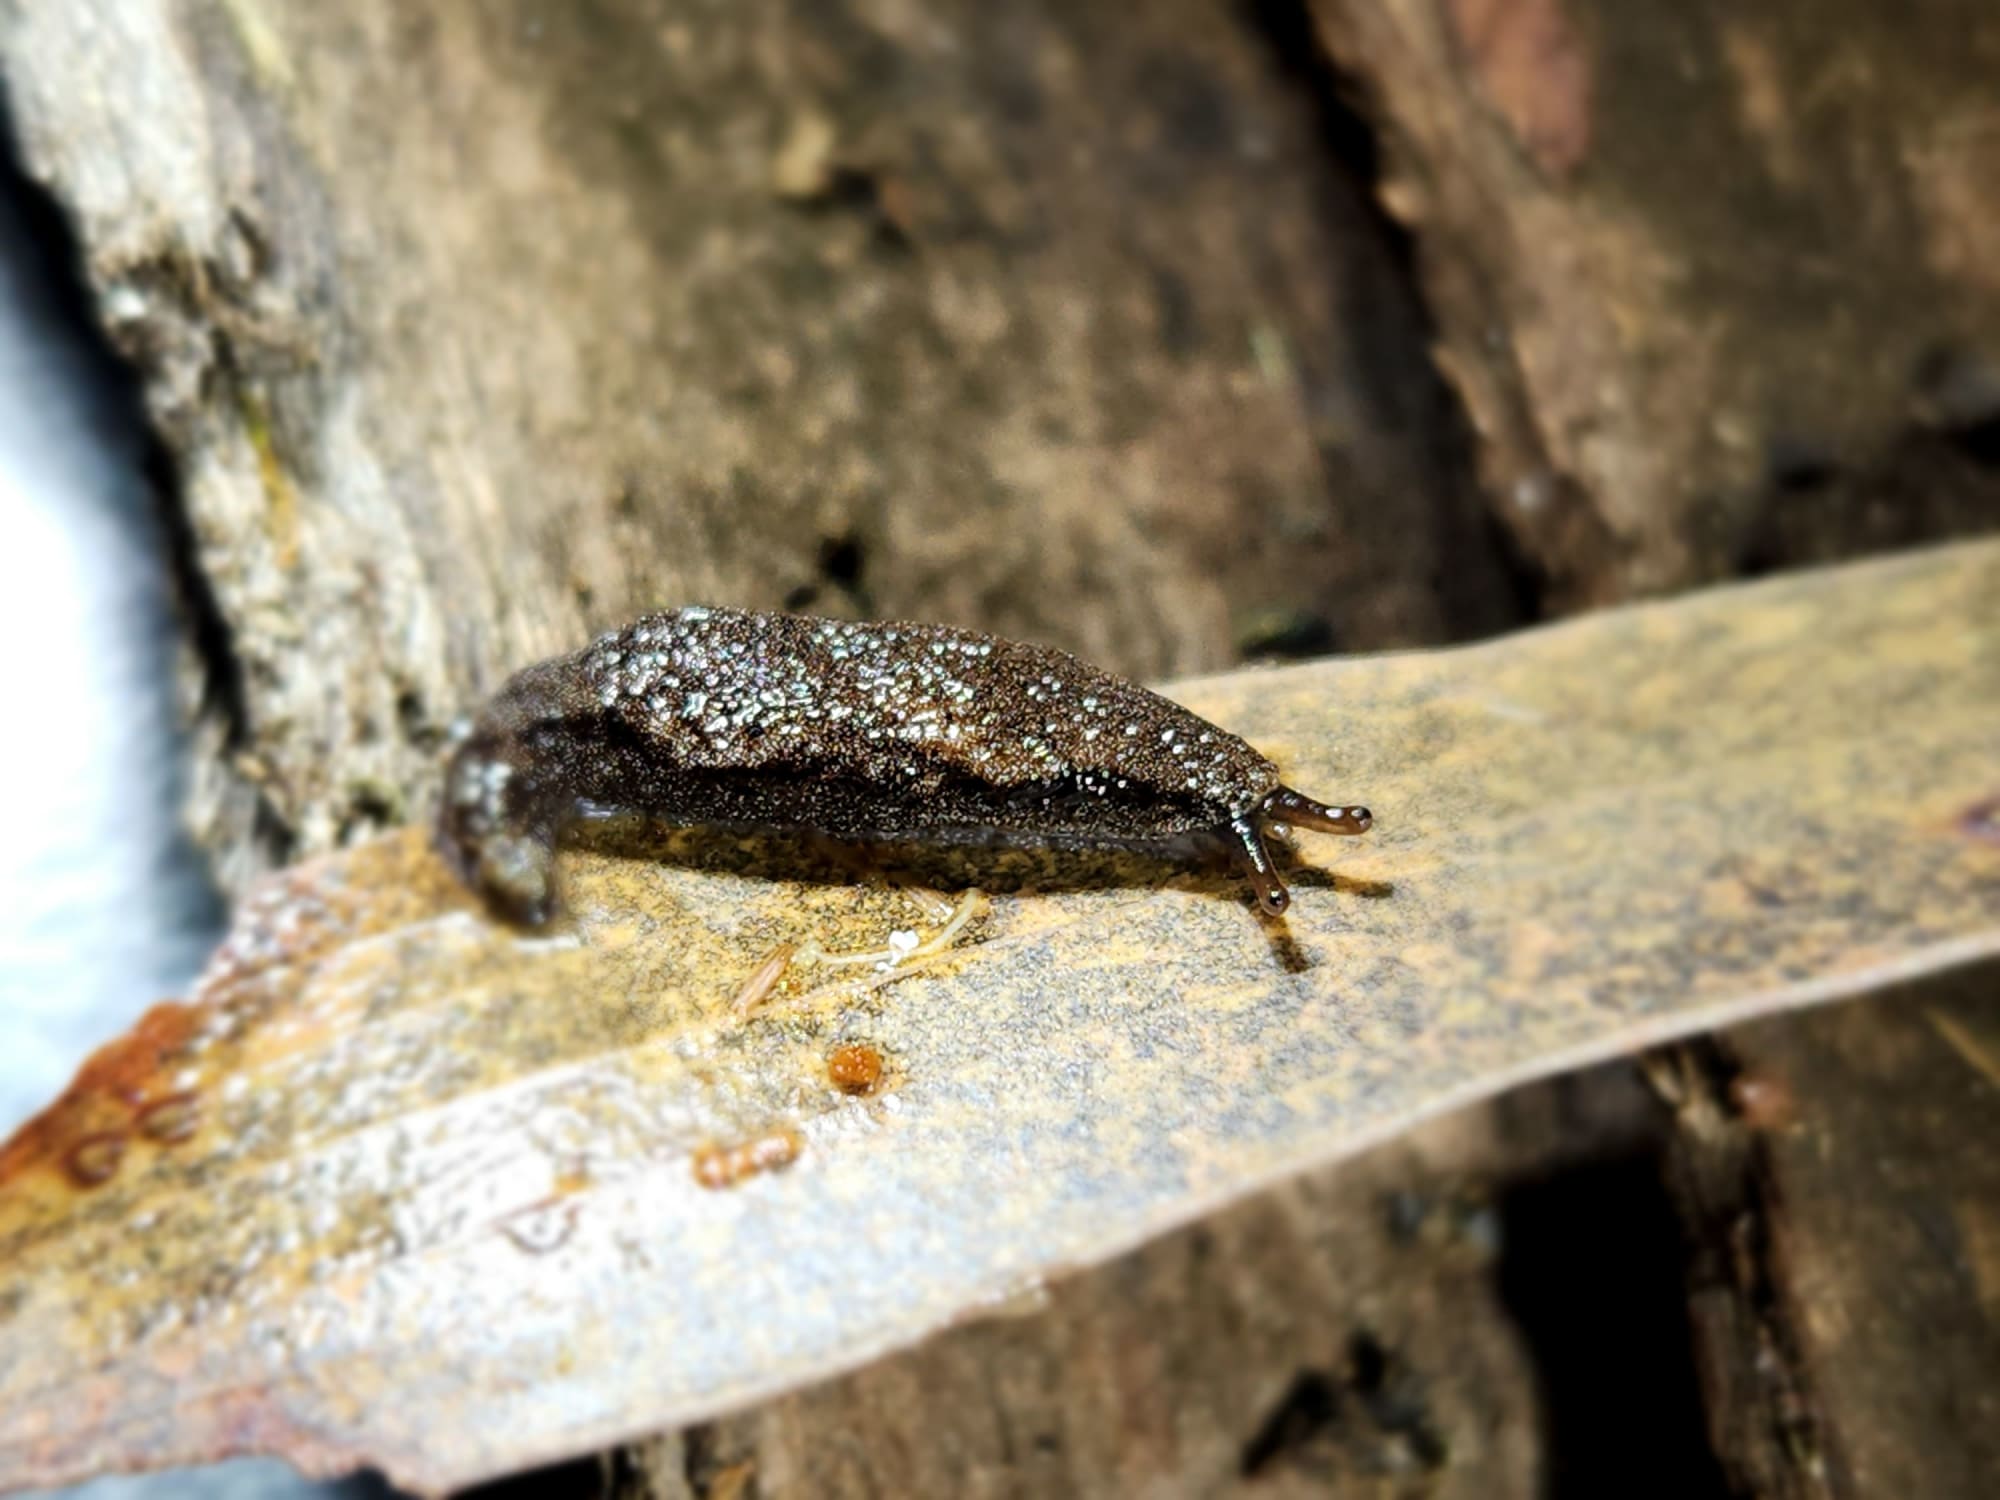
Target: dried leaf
400,1187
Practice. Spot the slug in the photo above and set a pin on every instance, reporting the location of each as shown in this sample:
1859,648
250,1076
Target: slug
870,731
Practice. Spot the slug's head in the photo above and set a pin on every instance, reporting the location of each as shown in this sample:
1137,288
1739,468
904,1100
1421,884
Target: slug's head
1295,809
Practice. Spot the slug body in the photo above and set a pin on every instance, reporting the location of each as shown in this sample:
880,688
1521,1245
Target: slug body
868,731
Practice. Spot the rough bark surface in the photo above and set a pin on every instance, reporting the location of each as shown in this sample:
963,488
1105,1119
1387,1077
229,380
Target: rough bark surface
1839,1171
1717,283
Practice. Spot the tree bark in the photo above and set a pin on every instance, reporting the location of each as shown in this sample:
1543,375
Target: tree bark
1719,285
1838,1173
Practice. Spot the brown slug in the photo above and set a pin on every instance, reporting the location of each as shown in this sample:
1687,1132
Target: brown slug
868,731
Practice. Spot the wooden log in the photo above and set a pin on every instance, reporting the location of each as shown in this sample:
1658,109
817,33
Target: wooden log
1716,283
1840,1181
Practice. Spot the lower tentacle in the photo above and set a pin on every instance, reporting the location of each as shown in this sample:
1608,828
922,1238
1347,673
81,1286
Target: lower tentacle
1254,860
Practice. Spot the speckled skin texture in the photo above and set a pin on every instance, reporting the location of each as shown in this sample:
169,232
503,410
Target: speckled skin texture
870,731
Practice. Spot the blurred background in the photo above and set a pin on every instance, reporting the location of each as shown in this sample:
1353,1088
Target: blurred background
105,903
352,357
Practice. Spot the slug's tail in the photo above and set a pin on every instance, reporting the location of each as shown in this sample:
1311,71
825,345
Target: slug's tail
1296,808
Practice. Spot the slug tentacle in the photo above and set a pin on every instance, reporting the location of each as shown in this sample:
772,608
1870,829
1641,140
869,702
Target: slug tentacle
1254,860
1296,808
870,731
